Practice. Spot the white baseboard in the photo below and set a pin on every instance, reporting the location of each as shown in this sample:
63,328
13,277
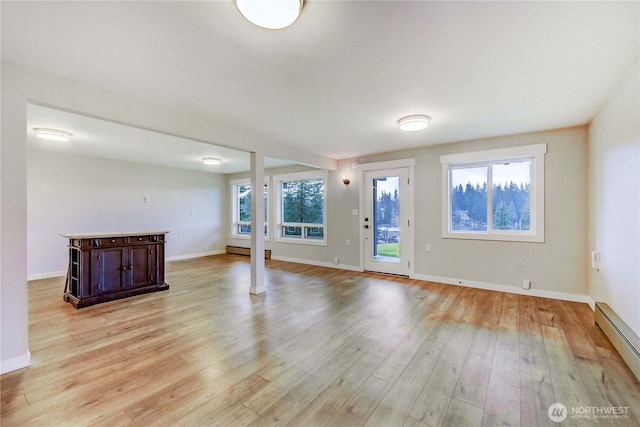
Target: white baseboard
51,274
439,279
565,296
623,338
191,256
15,363
317,263
48,275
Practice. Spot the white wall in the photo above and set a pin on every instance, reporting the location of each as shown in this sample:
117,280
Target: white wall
341,225
614,196
70,193
14,351
556,267
559,264
21,86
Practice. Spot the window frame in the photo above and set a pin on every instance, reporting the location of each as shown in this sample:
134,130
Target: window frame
280,224
536,154
235,222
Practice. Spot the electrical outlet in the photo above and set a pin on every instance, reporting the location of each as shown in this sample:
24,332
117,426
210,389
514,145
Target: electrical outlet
526,284
428,248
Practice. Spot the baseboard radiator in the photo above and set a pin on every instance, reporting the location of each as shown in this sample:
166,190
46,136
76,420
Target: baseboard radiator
621,336
238,250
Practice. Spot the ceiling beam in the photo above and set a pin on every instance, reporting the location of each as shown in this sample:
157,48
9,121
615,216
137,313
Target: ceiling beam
54,92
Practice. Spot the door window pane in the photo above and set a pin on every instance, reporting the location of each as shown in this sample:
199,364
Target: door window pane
386,217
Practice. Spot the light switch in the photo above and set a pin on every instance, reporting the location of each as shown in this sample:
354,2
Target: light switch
595,260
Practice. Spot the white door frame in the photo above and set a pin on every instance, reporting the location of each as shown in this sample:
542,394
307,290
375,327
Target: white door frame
408,241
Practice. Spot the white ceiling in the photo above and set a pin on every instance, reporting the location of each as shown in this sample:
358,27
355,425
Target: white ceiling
336,81
107,140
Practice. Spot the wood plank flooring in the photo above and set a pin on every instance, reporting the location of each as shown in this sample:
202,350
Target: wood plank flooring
323,347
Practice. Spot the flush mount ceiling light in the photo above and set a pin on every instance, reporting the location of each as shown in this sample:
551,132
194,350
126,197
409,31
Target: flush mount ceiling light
211,161
270,14
413,123
52,134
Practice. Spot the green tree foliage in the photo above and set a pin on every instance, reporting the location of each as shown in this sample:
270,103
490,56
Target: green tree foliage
501,218
387,207
510,207
516,202
469,207
303,201
526,219
244,203
387,216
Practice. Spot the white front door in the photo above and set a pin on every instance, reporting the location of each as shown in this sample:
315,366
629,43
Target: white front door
386,221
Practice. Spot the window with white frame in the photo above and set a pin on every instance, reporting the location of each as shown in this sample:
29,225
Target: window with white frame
241,207
302,206
494,194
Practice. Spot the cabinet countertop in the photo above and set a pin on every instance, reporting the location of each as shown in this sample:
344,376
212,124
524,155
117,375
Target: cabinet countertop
102,234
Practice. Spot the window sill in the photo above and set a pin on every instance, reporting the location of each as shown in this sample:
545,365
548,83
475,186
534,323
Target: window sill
308,242
246,237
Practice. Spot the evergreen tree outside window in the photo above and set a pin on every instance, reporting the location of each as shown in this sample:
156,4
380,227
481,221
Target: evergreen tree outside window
469,198
495,194
301,213
511,195
241,208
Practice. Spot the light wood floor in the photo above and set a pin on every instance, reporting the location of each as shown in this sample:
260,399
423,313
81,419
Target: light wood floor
322,347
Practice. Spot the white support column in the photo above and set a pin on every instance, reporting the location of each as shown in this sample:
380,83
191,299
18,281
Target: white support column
257,223
14,308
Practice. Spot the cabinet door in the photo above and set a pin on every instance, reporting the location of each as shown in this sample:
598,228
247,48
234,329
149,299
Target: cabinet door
111,269
141,265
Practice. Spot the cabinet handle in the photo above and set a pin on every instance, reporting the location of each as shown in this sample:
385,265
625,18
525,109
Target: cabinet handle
124,268
131,267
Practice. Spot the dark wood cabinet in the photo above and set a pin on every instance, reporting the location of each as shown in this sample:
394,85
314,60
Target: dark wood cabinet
104,267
